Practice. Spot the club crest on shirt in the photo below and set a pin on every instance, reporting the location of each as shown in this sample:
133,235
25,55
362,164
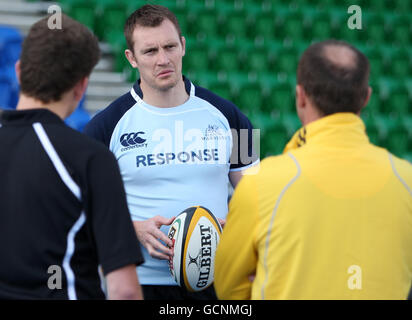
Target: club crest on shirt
132,140
214,132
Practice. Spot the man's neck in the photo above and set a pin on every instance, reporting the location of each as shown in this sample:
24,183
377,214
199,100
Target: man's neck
27,103
165,99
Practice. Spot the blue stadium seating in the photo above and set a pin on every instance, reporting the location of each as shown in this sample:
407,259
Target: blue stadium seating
9,88
10,48
10,45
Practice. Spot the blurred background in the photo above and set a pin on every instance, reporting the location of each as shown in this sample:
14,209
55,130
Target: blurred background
244,50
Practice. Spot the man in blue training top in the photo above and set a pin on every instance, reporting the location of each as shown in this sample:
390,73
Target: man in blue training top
177,144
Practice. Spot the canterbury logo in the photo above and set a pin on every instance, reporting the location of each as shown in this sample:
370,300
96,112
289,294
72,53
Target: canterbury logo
131,139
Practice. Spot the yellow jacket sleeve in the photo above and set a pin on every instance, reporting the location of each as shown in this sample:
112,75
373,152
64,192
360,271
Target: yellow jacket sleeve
236,255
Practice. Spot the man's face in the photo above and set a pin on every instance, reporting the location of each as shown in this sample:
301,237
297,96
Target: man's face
158,54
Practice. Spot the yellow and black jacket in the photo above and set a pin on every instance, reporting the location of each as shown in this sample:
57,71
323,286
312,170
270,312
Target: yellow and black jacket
331,218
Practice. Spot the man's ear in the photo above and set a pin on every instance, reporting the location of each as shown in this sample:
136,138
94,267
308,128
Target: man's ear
183,39
18,70
368,97
301,98
130,57
80,88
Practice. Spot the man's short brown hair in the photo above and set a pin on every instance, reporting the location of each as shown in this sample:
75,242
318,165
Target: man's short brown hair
333,85
52,61
148,16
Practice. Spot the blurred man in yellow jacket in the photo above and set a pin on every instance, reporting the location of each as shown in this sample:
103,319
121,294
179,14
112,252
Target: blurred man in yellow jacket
331,218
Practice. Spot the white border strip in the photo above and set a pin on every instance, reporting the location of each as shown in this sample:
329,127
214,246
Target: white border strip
142,104
58,164
138,99
398,176
135,95
68,181
71,291
282,193
246,167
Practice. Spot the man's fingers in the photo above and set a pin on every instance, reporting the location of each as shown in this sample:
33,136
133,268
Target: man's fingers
222,222
157,234
156,244
156,254
163,221
158,250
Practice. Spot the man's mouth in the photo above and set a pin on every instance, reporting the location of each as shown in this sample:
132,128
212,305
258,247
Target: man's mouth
164,73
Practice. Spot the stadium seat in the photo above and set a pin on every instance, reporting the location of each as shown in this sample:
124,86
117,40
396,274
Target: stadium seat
5,89
203,22
381,5
287,60
235,24
83,11
384,124
9,88
281,98
10,45
196,57
227,59
221,88
262,122
398,138
402,6
321,26
275,139
375,28
118,44
264,26
204,79
400,101
181,15
400,64
111,16
250,97
377,61
259,60
291,123
276,129
401,29
396,99
292,25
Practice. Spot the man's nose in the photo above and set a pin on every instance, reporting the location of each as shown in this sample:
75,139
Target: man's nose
162,58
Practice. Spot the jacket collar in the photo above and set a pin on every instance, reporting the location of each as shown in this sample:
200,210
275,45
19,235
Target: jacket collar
28,117
139,92
338,128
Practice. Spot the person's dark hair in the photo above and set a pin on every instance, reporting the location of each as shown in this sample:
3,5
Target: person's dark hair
148,16
333,85
52,61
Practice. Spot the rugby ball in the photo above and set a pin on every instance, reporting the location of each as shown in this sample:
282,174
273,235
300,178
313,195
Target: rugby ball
195,234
